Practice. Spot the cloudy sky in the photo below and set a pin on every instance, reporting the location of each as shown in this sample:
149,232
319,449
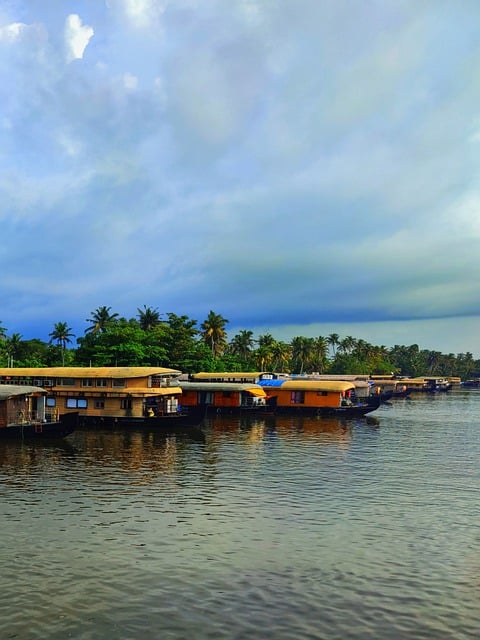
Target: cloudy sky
300,167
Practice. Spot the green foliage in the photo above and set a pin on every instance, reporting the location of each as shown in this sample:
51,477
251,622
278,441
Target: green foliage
178,343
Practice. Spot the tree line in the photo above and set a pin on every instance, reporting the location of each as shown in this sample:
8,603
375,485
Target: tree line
179,342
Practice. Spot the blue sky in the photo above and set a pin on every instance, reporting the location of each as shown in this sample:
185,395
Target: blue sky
301,167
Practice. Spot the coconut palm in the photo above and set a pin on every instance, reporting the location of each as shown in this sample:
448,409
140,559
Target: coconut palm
13,346
100,319
302,349
333,340
281,355
213,333
320,353
242,344
61,334
148,318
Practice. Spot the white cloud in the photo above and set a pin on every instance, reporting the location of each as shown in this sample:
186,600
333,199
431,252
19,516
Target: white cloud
77,37
130,82
11,32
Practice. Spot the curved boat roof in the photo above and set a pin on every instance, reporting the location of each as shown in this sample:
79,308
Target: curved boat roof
309,385
255,389
225,375
86,372
12,390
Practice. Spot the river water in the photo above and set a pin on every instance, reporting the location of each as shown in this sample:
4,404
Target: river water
260,528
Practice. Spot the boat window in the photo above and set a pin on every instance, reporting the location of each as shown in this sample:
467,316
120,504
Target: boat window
118,382
126,403
87,382
66,382
50,402
99,404
297,397
76,403
101,382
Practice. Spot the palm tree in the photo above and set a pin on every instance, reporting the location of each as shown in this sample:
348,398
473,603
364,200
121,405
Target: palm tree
333,340
347,345
148,318
100,319
281,355
302,349
213,333
13,346
320,353
242,344
61,334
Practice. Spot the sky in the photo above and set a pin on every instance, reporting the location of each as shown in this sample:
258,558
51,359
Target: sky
300,167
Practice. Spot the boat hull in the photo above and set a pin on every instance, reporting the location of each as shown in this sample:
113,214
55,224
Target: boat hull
41,430
347,411
168,423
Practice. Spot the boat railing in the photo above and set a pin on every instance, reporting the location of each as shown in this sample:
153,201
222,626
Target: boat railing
30,417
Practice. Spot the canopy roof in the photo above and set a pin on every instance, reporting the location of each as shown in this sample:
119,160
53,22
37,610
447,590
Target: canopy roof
309,385
12,390
86,372
141,392
226,375
254,389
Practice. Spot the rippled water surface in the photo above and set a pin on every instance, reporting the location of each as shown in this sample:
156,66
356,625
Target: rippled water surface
257,528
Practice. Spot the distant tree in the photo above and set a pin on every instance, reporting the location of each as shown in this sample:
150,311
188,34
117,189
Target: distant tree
148,318
281,356
333,340
302,350
214,334
13,346
61,335
319,354
347,345
100,320
242,344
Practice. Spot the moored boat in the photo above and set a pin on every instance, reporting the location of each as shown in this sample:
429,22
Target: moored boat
224,397
128,397
317,397
23,415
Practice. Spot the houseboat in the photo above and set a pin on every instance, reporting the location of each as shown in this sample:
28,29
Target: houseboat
224,397
390,388
239,377
317,397
110,396
23,414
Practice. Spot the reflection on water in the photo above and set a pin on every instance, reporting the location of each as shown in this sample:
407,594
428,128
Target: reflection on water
263,527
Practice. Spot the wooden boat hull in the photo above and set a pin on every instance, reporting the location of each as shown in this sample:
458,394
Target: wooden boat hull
41,430
347,411
167,423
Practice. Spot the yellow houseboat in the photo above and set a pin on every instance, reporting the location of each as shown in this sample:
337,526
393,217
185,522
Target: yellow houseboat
224,397
109,396
317,397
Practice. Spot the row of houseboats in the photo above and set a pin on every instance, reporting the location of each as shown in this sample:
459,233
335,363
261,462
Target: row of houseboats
39,402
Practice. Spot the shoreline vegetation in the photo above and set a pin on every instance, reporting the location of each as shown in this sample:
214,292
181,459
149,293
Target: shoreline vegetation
179,342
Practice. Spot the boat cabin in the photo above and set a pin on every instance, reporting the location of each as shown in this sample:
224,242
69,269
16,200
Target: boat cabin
22,404
223,397
102,393
309,396
231,376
